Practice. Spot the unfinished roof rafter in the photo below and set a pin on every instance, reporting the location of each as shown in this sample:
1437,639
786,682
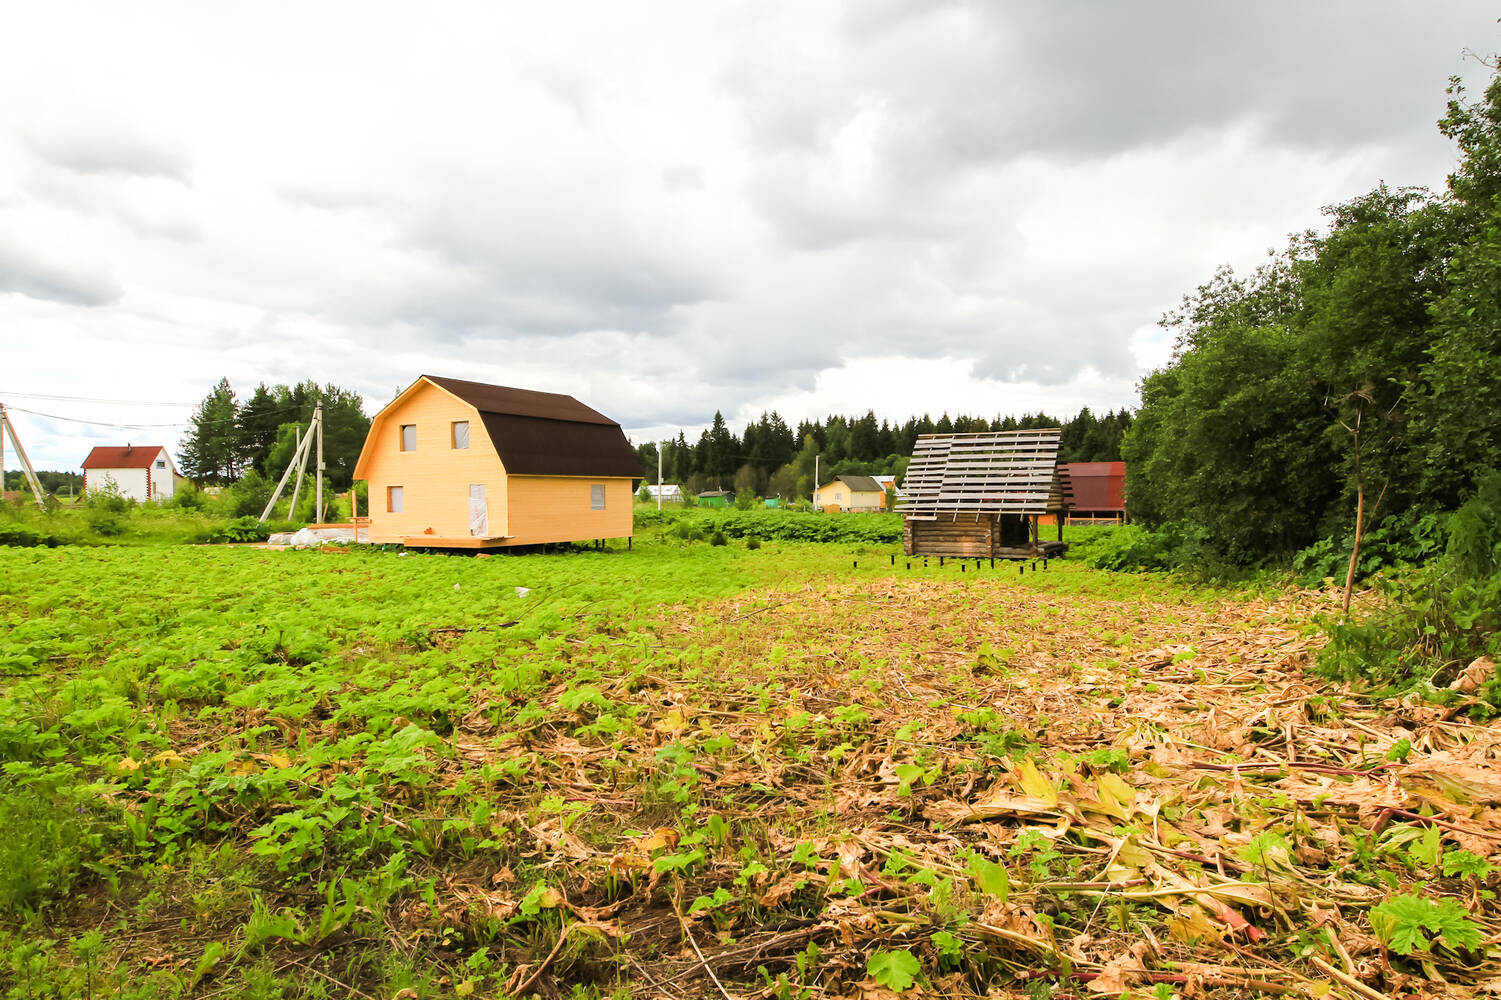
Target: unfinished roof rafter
991,472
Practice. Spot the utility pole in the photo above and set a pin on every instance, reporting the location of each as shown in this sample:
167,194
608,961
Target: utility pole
659,474
815,482
318,502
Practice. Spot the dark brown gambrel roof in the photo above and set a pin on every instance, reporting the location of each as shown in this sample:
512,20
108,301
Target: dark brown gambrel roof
546,433
488,398
991,472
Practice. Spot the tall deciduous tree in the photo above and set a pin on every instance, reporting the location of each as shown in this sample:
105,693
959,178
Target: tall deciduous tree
1231,438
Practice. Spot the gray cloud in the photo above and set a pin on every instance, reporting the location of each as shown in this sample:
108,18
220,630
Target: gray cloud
105,144
976,82
69,282
549,261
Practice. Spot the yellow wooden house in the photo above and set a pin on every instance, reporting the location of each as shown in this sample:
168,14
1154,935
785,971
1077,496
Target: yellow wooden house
457,464
850,493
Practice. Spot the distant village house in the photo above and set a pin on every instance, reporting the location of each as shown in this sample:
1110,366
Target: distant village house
850,493
139,472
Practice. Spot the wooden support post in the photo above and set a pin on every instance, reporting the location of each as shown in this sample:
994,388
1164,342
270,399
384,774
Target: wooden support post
299,454
6,427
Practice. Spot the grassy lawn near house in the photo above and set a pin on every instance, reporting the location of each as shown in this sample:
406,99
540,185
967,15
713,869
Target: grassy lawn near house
798,770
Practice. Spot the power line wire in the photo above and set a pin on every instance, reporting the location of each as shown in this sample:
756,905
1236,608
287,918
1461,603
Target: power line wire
99,423
91,399
145,427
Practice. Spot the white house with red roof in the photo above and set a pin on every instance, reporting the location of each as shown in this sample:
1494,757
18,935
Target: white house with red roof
140,472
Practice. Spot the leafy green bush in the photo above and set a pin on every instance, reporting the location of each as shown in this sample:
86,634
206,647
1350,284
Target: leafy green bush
20,535
1404,538
248,496
686,531
187,496
106,524
241,529
1133,548
106,496
1434,619
791,526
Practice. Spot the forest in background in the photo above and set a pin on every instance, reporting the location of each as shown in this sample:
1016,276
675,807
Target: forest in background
772,459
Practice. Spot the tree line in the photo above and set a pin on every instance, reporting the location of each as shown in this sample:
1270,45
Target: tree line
770,458
228,438
1357,370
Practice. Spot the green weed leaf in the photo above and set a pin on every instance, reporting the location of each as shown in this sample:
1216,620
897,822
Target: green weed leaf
895,970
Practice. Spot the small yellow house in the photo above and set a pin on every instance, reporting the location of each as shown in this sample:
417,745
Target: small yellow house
456,464
852,493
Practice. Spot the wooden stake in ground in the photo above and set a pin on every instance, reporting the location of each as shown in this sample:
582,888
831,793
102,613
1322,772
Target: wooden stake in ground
1362,395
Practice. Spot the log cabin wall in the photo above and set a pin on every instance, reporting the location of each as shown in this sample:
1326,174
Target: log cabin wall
997,536
966,537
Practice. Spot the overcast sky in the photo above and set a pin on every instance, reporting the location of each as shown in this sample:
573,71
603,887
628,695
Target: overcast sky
666,209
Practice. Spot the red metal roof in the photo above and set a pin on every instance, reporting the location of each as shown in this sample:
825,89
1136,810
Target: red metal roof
138,456
1098,485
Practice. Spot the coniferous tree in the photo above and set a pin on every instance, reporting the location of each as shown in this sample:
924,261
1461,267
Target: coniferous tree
208,451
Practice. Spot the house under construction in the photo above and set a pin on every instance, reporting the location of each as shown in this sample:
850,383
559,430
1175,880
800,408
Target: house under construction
980,495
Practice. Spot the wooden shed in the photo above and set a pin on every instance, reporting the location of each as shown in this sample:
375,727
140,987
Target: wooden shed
980,495
457,464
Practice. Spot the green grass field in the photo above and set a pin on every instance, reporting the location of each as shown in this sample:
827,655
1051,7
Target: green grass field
686,769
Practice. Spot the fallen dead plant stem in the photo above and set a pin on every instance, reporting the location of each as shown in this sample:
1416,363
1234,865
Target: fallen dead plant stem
1346,979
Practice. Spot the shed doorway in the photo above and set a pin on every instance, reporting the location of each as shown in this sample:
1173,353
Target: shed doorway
479,511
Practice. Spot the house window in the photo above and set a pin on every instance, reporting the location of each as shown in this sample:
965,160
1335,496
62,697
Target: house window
408,437
461,433
394,500
597,496
161,463
838,496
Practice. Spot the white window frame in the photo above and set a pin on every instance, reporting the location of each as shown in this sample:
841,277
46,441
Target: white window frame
597,496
